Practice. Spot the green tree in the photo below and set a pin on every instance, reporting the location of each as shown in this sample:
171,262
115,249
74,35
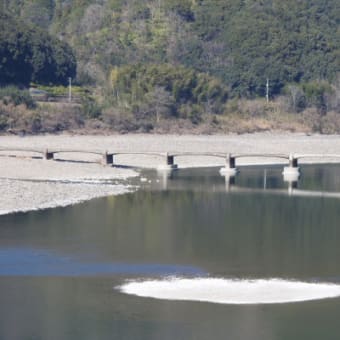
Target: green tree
29,54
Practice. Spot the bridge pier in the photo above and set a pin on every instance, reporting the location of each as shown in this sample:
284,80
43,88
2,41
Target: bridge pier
48,155
291,173
230,166
169,163
107,158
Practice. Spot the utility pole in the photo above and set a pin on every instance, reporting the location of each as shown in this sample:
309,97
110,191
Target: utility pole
267,90
70,89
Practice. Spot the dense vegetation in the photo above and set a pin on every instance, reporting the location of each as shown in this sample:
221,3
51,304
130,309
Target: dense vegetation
29,54
165,90
150,60
241,42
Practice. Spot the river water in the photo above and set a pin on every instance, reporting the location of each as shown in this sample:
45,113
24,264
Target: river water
265,260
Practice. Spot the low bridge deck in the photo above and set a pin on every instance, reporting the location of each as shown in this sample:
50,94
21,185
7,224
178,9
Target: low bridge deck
168,158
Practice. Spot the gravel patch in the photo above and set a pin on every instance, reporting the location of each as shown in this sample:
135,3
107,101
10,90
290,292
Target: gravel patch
21,196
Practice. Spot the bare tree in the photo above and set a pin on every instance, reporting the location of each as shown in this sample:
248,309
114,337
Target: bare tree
161,103
297,98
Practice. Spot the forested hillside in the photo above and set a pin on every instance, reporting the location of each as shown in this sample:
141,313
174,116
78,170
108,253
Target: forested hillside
187,58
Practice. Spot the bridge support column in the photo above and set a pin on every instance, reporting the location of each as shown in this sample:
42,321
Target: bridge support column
169,163
48,155
230,166
291,173
107,158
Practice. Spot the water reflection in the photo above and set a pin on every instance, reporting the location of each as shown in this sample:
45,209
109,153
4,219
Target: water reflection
35,262
190,221
171,180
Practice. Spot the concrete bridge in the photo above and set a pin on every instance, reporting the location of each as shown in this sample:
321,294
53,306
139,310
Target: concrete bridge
167,159
49,154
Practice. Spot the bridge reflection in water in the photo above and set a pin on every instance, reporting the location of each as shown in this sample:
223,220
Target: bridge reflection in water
171,180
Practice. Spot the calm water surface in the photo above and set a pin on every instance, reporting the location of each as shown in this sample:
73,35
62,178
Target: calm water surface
59,267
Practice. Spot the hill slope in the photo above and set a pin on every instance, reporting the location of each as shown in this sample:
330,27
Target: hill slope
242,42
190,58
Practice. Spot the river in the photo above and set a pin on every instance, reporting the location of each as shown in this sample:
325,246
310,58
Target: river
264,259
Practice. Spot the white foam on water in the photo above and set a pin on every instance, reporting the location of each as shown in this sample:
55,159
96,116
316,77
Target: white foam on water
228,291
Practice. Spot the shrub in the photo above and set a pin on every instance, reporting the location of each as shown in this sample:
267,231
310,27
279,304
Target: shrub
316,93
16,96
91,108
